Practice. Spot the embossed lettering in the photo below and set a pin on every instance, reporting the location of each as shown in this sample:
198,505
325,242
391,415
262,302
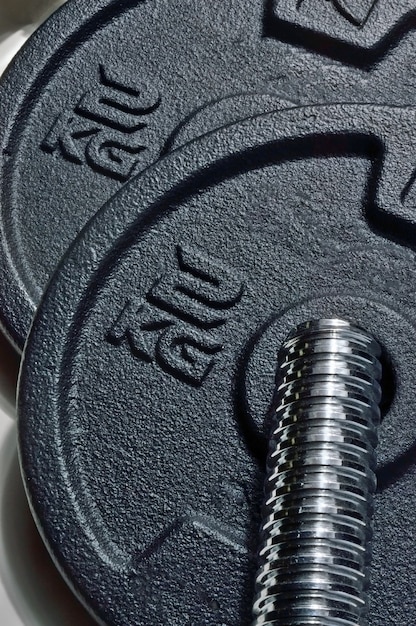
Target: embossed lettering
118,105
135,323
198,290
177,322
108,128
107,154
65,135
186,353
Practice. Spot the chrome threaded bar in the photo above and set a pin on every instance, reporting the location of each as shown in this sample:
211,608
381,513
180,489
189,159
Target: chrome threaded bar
317,522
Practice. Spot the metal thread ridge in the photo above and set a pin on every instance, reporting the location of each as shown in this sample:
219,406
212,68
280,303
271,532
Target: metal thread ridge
317,519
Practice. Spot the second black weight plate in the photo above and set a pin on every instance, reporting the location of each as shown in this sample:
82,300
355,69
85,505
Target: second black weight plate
96,93
150,366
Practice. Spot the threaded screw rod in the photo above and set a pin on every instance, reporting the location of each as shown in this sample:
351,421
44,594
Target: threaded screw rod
317,523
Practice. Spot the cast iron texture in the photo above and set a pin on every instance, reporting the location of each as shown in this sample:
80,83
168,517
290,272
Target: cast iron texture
97,92
151,363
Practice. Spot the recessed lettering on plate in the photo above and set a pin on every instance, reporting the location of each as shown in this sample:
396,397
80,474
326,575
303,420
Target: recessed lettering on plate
108,129
177,324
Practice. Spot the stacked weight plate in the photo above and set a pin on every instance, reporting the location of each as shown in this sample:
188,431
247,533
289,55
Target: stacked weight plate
31,590
262,157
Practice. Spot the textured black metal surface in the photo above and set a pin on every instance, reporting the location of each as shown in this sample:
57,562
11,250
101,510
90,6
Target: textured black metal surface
146,377
98,91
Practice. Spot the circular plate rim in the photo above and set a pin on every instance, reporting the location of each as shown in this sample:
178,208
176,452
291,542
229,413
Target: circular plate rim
39,387
17,87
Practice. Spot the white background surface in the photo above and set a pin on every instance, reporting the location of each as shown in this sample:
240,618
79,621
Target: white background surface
31,591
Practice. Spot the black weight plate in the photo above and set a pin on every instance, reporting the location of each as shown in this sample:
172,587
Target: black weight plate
97,92
150,364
